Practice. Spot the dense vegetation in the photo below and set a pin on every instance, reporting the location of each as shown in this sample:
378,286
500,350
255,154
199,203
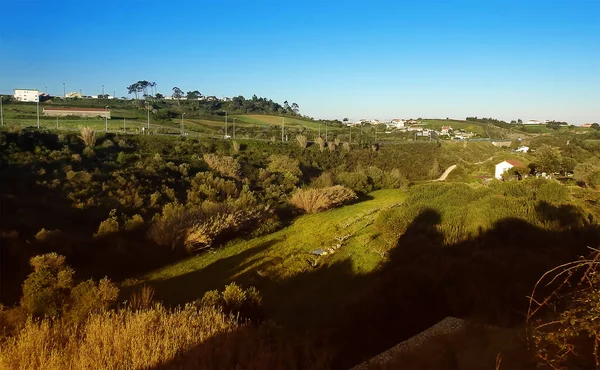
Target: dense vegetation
86,217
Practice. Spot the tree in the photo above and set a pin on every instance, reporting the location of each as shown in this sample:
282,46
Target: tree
295,108
548,159
520,121
595,126
193,95
345,120
583,172
46,289
177,93
159,96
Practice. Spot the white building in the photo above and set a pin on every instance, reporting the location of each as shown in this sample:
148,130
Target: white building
522,149
77,95
505,166
27,95
398,123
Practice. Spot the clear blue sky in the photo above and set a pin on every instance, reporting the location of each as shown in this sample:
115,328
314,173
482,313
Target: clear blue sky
370,59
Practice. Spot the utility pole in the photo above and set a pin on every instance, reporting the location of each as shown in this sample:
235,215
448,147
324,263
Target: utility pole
282,128
182,114
234,128
64,91
106,120
148,107
114,95
103,91
37,107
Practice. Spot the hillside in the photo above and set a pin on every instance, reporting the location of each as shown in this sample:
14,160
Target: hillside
284,254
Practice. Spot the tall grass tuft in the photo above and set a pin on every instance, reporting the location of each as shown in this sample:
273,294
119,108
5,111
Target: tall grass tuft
317,200
322,143
88,136
302,141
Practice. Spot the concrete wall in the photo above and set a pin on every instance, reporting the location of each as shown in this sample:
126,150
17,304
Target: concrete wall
59,113
500,144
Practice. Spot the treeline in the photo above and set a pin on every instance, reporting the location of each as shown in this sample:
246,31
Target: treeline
490,120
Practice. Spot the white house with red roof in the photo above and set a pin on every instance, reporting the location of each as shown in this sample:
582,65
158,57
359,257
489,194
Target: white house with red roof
502,167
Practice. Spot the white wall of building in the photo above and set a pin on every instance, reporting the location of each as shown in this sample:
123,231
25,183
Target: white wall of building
501,168
26,95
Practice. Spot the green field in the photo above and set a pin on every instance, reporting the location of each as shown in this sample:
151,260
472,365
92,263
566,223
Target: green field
285,255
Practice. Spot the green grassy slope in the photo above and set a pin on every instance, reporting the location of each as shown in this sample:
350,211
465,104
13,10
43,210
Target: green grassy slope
268,260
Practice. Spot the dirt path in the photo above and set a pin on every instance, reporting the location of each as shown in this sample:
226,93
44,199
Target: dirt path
446,173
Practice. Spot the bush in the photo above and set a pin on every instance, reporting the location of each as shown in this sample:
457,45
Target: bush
235,300
358,182
46,289
108,226
552,192
225,165
88,297
134,222
316,200
284,164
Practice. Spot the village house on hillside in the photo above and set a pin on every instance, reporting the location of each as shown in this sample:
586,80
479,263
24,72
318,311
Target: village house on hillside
445,130
502,167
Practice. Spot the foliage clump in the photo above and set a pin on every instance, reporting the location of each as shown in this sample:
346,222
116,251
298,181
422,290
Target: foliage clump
225,165
313,200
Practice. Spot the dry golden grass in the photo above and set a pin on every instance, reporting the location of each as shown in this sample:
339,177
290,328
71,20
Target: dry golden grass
114,339
157,338
88,136
317,200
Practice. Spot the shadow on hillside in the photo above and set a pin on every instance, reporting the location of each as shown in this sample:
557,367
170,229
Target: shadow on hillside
486,278
193,285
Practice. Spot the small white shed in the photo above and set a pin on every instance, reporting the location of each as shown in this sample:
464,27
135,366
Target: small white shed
505,166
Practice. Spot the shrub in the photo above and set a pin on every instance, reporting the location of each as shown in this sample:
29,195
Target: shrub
321,142
46,289
346,147
316,200
108,143
284,164
302,141
324,180
134,222
552,192
358,182
331,146
88,136
108,226
88,297
225,165
235,300
89,152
